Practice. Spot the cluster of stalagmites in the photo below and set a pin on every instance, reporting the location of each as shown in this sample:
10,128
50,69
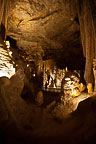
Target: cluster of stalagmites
71,84
71,95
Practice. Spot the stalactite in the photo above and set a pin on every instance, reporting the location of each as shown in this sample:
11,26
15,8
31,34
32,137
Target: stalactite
5,9
1,10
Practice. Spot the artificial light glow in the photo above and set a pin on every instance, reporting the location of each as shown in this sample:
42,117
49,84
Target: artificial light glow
54,86
75,92
27,65
52,78
7,73
6,68
67,79
66,69
34,75
7,44
10,54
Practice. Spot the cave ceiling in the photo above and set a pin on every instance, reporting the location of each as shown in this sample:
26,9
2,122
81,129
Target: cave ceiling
45,28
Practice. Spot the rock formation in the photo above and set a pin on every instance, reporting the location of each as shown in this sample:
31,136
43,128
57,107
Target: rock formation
45,30
51,29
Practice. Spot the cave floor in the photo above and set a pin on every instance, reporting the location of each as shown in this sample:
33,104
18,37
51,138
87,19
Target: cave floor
27,122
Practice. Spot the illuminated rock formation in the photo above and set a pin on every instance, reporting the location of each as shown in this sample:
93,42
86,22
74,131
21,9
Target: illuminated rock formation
6,62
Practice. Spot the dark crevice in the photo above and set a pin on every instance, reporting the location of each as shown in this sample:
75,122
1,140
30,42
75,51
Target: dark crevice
19,23
77,19
47,15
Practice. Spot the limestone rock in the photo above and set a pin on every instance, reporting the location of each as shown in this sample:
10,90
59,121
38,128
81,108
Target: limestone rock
40,98
4,81
71,84
6,63
43,29
16,84
51,105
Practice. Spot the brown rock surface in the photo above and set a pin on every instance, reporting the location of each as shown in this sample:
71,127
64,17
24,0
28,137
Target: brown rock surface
46,28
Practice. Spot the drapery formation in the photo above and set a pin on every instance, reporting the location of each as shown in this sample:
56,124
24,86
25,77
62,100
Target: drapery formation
5,9
87,18
3,18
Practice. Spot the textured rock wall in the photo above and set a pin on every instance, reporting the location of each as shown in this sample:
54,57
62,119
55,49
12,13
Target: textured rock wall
6,62
41,27
44,29
87,12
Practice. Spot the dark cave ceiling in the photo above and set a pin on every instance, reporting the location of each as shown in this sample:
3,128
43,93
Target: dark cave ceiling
46,28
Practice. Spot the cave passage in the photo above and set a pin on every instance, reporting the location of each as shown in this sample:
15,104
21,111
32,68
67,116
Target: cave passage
47,71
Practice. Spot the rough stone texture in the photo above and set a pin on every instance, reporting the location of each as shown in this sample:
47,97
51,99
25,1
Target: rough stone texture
71,84
68,104
87,14
46,28
39,98
6,61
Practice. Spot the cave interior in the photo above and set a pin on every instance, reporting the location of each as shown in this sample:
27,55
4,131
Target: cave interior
47,71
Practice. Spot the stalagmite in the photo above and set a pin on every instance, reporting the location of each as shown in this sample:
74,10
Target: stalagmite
94,70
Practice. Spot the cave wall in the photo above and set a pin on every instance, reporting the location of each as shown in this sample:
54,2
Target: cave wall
87,13
41,27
